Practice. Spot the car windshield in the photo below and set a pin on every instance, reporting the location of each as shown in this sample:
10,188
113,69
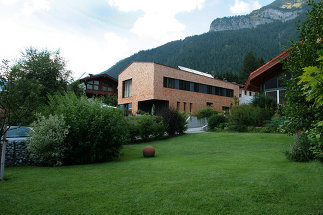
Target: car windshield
16,132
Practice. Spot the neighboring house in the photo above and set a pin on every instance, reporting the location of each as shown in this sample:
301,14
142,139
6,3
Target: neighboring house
267,79
144,84
100,85
245,96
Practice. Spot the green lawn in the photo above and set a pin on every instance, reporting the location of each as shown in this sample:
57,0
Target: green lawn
207,173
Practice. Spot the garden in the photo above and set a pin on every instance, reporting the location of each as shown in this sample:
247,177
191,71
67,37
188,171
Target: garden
206,173
87,158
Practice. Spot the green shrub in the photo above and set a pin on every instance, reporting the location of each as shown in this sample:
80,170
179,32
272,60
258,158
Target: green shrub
215,120
47,143
145,127
96,132
300,150
243,116
174,121
275,124
205,113
264,101
141,112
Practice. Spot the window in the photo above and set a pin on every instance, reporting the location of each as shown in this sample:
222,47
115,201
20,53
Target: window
229,93
209,104
184,85
177,107
225,108
110,89
191,107
217,90
249,93
126,88
92,85
245,92
184,106
209,89
169,82
196,87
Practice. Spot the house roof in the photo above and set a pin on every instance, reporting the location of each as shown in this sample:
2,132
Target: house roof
91,77
256,77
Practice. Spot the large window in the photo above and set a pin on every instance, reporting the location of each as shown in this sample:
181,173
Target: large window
126,88
169,82
92,85
196,87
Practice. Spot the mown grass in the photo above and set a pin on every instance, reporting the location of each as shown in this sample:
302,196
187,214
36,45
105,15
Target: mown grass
207,173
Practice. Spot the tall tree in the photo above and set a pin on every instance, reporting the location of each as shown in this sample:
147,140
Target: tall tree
24,88
250,64
303,109
46,72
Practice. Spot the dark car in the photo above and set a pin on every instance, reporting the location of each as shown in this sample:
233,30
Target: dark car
17,133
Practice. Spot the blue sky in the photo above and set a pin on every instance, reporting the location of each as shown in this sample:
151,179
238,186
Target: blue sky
92,35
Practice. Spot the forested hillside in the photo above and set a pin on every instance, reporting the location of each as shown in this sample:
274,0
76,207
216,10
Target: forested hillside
218,52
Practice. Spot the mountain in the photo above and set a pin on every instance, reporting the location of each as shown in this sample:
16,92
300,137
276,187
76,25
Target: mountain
279,10
219,52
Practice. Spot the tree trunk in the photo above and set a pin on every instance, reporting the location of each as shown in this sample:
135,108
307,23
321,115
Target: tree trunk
3,154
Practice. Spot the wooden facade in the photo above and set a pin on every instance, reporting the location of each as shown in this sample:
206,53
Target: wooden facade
100,85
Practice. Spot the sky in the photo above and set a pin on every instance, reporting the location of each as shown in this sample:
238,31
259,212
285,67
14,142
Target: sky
93,35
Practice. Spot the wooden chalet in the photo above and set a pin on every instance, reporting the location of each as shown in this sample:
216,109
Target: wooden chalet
100,85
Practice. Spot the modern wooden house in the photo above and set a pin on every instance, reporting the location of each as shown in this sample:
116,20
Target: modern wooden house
144,84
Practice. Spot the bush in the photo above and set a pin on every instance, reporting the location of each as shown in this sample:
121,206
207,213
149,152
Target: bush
215,120
145,127
205,113
243,116
47,143
264,101
275,124
300,150
96,132
174,121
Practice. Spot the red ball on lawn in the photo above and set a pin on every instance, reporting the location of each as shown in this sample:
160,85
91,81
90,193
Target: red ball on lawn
148,151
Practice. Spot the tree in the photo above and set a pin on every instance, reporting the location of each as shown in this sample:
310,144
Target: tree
46,70
25,87
250,64
304,112
15,101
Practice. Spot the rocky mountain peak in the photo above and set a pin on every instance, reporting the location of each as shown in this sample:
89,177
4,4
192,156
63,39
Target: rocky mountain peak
279,10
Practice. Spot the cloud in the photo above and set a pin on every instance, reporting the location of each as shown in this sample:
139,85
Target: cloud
242,7
8,2
159,18
35,5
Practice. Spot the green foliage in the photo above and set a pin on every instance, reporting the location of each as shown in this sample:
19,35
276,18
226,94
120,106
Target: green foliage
47,142
275,124
143,128
77,88
36,75
264,101
215,120
302,113
96,132
304,109
16,95
205,113
141,112
174,121
111,100
243,116
249,64
218,52
312,82
300,150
